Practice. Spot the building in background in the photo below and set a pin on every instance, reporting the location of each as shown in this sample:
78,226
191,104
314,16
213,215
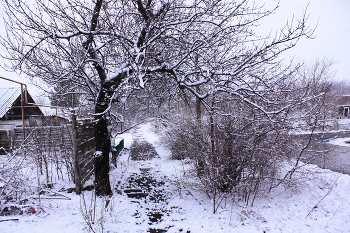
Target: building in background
11,108
344,106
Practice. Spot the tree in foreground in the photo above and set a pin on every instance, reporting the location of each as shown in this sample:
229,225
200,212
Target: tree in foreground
107,48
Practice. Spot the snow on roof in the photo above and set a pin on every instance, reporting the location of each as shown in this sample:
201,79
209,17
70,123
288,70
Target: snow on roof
48,111
8,96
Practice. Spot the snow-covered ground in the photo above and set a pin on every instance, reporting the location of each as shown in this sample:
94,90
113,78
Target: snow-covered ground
318,201
340,141
344,124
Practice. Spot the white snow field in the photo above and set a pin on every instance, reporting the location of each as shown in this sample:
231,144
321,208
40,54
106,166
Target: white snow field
317,201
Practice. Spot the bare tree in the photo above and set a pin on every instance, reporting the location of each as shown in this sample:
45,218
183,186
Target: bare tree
316,79
106,48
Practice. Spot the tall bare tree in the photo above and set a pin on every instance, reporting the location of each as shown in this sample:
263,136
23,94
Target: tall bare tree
108,47
317,80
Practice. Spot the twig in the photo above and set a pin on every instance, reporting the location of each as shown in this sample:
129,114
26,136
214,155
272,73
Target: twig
51,198
61,196
57,193
337,209
131,127
329,191
11,219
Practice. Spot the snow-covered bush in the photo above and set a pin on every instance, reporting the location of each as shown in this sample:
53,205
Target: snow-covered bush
16,183
41,161
232,155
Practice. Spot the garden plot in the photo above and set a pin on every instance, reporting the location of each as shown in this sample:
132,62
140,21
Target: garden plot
162,195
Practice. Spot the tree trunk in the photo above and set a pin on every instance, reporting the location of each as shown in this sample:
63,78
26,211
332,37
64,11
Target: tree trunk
198,100
103,145
198,110
102,135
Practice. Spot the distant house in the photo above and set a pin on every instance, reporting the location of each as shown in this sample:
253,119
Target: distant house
344,106
10,106
35,116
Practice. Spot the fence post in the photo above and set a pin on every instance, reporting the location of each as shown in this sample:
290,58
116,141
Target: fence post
77,178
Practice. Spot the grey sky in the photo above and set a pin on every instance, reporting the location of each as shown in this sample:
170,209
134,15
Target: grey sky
332,33
331,19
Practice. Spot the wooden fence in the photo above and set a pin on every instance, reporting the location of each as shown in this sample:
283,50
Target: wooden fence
49,148
5,141
57,149
83,138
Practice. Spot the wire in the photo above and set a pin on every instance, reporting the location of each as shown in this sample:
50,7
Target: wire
326,42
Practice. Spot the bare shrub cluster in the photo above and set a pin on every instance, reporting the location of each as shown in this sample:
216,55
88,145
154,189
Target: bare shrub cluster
14,177
50,149
233,155
39,162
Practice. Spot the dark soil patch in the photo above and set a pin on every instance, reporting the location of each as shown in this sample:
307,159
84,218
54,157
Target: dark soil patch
147,189
141,150
135,193
152,191
11,211
153,230
155,217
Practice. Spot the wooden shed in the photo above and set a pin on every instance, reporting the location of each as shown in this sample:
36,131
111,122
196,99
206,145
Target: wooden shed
344,106
11,115
10,105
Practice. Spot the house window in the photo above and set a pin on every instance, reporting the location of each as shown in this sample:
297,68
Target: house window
346,111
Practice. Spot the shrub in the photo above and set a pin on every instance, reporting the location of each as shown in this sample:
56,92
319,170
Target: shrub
231,154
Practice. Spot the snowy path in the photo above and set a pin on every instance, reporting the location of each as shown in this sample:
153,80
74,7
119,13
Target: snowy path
151,186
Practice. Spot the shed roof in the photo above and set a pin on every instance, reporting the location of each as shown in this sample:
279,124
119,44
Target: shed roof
344,100
8,95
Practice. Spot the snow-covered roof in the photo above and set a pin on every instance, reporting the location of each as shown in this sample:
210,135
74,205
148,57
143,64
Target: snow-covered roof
8,96
48,111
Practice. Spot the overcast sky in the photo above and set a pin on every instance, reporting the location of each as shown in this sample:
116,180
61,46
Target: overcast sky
331,20
332,35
